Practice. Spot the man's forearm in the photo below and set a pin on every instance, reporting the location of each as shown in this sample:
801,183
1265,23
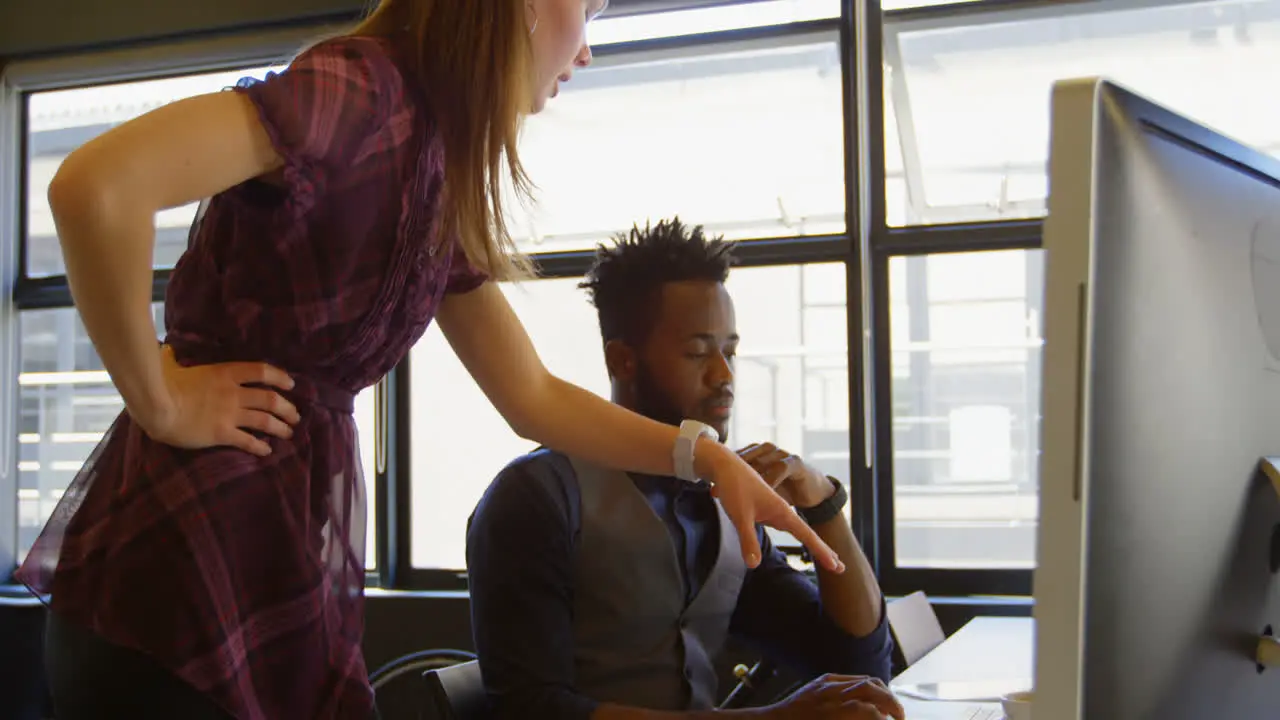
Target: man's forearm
853,598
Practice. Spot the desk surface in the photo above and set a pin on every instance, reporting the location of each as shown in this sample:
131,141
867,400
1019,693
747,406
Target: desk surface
988,657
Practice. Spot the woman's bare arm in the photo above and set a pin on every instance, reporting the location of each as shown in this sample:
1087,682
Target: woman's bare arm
492,344
104,199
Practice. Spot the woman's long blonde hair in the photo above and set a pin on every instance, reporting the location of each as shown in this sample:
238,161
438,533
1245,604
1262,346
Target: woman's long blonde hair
476,61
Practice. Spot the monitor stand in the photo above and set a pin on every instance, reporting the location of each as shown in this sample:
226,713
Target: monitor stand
1267,654
1270,466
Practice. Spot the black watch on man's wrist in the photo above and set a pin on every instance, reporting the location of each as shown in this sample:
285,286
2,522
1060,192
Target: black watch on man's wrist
827,509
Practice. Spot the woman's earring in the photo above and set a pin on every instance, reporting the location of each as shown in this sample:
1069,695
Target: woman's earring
534,26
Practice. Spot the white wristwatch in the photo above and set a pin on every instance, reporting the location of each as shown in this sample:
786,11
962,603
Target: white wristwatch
682,453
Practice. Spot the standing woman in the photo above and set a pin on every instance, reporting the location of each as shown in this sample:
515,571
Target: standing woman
208,562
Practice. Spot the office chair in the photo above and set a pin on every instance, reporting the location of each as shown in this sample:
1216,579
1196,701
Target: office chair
23,688
390,697
457,692
417,661
915,628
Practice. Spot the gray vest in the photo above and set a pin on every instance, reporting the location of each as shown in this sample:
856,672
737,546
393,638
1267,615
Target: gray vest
636,640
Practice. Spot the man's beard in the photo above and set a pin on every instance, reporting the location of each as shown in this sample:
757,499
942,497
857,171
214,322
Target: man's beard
652,402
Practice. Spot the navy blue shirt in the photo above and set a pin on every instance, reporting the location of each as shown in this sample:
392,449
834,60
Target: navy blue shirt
520,561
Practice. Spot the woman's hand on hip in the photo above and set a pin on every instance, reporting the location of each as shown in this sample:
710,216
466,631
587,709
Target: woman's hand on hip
213,405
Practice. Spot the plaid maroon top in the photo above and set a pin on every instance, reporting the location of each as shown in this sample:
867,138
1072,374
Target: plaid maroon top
245,575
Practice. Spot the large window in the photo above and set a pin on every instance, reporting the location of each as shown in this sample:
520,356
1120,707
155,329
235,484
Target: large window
791,389
968,94
736,116
67,400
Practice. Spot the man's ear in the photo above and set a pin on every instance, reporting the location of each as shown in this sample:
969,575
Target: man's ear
620,358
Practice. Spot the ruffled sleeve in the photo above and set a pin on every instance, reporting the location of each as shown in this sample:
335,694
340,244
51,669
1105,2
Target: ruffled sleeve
323,111
463,276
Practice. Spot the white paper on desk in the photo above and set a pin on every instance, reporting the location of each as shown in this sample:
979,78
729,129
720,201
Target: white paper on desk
933,710
970,691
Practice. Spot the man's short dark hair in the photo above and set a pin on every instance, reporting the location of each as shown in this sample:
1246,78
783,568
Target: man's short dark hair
625,281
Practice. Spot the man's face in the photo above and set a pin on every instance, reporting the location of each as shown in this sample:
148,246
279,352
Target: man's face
684,369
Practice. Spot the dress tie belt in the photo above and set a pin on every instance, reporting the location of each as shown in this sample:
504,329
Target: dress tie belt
310,391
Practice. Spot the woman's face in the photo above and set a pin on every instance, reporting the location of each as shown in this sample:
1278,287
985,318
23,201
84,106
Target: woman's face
558,34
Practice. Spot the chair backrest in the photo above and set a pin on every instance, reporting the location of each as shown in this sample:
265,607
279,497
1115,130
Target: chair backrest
915,627
458,691
23,694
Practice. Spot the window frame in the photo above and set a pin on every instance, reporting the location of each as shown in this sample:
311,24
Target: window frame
11,172
925,241
885,242
865,247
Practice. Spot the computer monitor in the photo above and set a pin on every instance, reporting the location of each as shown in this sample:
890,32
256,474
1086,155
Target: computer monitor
1161,394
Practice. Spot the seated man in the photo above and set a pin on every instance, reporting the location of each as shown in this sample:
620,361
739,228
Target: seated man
598,595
